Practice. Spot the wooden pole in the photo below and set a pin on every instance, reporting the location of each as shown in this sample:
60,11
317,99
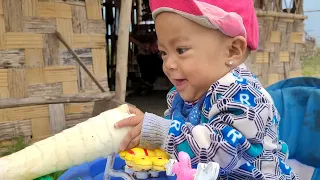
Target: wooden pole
261,13
122,49
43,100
59,36
312,11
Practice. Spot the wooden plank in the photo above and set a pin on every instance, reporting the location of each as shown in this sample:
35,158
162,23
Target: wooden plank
35,76
89,41
50,50
296,37
262,57
30,7
289,20
70,87
60,74
275,37
96,26
12,58
4,92
75,108
284,57
34,57
52,89
64,27
57,118
74,98
39,25
55,10
99,63
93,8
23,40
2,32
17,82
4,78
40,127
13,15
79,19
27,112
10,130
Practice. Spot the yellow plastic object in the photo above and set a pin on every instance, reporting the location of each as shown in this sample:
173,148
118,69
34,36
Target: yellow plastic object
139,159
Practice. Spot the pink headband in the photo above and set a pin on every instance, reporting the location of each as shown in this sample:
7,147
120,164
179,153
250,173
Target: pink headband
233,18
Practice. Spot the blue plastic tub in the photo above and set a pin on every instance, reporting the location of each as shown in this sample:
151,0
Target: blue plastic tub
95,171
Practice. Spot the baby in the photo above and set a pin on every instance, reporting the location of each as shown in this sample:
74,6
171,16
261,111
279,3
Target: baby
217,111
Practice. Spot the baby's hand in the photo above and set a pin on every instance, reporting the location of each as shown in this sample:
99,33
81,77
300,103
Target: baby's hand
132,139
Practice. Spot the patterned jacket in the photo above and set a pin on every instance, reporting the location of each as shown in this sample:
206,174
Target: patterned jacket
237,128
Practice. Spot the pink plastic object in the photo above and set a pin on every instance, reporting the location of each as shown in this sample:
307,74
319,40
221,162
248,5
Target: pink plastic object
182,168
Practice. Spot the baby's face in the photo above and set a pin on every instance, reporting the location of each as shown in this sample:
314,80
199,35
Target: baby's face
194,57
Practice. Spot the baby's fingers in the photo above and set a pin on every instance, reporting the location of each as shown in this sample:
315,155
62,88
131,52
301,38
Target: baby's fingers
130,121
132,135
134,143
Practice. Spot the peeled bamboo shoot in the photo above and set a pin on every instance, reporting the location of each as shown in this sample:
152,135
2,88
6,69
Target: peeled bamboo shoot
82,143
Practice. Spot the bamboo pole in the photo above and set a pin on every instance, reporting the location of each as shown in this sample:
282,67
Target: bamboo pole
312,11
261,13
59,36
43,100
122,49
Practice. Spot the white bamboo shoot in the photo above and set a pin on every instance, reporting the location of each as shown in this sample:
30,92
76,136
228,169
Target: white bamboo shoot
82,143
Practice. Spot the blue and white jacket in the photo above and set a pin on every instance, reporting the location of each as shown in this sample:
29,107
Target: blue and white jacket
235,124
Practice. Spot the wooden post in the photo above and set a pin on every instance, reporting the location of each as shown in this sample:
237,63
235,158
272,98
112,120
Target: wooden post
139,11
122,49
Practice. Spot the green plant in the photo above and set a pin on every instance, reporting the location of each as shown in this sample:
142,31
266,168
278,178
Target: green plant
311,66
52,176
18,144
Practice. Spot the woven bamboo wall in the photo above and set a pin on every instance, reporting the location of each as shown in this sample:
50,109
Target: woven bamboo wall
281,42
34,63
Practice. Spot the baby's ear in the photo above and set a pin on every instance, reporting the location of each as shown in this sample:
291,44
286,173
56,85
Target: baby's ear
237,50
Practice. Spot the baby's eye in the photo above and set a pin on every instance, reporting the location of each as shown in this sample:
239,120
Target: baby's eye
162,53
181,50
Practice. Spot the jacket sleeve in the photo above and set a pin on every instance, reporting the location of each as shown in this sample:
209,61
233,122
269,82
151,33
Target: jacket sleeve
231,138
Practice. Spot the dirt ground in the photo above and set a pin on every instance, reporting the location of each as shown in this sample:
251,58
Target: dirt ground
155,102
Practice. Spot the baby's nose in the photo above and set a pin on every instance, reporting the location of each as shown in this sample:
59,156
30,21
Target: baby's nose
170,63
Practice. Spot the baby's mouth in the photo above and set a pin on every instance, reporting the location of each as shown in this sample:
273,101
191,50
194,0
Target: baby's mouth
180,83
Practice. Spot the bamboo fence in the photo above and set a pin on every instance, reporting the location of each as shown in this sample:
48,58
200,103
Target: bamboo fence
281,41
37,68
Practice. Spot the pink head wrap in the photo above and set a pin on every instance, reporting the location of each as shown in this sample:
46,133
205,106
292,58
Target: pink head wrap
232,17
